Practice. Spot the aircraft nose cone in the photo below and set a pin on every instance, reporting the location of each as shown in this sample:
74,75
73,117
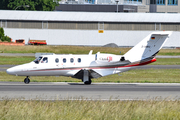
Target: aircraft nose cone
10,71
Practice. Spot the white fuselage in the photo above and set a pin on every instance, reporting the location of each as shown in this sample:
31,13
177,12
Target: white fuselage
69,65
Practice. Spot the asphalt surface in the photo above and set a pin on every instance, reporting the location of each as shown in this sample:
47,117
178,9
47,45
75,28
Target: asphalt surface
96,91
5,67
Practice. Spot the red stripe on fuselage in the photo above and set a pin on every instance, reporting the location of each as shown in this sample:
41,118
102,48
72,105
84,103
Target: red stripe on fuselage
144,63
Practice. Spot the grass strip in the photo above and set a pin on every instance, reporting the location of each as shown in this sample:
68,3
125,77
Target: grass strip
75,50
132,76
89,110
15,60
61,49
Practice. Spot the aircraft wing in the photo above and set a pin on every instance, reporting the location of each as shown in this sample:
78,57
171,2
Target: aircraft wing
101,69
92,74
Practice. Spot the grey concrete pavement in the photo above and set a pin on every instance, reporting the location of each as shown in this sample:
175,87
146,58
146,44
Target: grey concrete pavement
96,91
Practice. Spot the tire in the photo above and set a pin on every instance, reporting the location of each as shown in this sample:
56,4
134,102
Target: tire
26,81
88,82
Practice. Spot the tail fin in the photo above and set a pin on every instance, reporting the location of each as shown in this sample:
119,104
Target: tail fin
148,47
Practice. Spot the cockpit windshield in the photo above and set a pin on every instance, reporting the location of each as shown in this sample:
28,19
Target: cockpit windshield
45,60
37,60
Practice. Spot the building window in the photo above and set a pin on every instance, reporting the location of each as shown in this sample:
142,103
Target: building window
44,25
160,2
3,24
133,1
172,2
45,60
100,26
37,60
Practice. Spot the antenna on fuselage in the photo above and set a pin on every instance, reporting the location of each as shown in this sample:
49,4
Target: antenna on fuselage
90,52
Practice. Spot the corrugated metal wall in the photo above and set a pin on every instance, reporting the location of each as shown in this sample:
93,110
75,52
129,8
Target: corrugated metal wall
129,26
24,24
89,25
170,26
72,25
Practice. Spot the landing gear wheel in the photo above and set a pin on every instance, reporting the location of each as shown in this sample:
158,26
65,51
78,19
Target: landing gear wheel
26,80
88,82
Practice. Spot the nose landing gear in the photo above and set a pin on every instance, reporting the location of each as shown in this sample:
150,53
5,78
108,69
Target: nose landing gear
27,80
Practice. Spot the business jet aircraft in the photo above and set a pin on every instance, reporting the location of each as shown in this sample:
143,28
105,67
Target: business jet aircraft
86,67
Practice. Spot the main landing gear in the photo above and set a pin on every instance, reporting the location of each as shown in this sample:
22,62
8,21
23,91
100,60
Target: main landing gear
27,80
88,82
86,79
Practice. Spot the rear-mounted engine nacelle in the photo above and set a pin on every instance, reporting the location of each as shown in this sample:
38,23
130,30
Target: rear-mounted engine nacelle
108,58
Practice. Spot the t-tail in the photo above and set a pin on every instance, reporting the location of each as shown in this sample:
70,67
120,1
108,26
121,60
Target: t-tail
148,47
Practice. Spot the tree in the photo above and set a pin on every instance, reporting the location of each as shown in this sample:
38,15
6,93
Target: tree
46,5
17,4
3,4
39,5
6,38
1,33
2,37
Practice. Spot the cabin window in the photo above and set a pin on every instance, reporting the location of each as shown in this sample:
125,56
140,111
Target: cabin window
64,60
57,60
45,60
71,60
37,60
79,60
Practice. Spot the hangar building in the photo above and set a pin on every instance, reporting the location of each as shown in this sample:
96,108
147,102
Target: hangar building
88,28
143,6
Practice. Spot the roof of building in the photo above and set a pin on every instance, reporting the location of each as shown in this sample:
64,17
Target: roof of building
89,16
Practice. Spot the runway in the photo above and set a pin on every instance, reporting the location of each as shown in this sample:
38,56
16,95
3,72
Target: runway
96,91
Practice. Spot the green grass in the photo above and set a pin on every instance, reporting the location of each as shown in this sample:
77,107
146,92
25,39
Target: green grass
132,76
169,52
61,49
15,60
89,110
75,50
